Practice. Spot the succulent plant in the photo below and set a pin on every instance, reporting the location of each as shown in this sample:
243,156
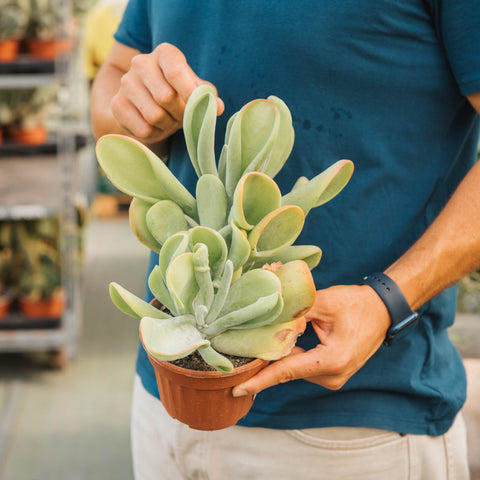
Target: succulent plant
37,258
6,256
47,19
14,18
26,107
229,273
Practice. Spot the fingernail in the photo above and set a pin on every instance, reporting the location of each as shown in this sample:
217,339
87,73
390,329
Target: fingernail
239,392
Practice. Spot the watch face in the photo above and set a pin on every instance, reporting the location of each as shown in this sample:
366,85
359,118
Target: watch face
395,330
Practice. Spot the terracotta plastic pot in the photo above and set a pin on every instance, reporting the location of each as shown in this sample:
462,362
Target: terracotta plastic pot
48,49
50,308
204,400
28,136
9,50
5,303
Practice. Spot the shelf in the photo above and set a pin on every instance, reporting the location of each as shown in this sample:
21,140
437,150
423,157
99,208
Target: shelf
43,181
32,184
32,340
16,321
26,64
26,72
51,147
26,184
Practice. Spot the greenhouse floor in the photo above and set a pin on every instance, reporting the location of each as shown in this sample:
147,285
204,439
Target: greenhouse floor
73,424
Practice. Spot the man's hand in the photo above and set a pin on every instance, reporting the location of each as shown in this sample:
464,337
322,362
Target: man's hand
144,94
351,323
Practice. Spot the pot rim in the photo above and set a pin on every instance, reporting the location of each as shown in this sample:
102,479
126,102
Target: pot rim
255,362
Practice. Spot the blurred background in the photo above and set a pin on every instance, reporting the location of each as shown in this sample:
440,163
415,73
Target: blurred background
67,355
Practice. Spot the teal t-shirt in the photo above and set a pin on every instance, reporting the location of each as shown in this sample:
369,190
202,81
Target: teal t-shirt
382,83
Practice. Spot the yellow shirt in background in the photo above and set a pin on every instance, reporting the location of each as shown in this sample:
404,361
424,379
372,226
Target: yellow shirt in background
101,22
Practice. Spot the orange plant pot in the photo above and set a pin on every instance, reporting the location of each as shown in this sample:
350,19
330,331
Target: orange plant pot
5,303
9,50
51,308
49,49
204,400
28,136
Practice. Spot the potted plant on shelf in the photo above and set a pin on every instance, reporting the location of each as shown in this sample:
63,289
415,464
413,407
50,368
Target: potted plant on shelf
38,263
14,18
29,110
48,35
6,115
6,256
229,281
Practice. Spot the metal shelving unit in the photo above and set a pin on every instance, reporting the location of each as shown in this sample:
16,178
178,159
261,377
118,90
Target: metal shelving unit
37,182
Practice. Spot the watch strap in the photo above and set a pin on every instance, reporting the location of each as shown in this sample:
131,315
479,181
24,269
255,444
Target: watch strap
400,312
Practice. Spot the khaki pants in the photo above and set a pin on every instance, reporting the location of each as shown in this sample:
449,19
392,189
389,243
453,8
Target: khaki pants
165,449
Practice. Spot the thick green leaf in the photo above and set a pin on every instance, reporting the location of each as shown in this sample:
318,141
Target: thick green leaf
203,274
199,122
278,230
249,288
250,140
257,314
284,141
259,130
211,202
321,188
132,305
222,293
270,342
341,176
171,249
215,359
157,286
181,282
129,169
222,164
164,219
142,173
137,215
256,195
171,339
300,181
217,248
298,290
310,254
239,250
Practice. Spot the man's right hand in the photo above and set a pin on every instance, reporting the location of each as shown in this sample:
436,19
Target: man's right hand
151,93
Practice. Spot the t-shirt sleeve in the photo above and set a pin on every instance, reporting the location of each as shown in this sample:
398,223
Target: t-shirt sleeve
458,27
134,29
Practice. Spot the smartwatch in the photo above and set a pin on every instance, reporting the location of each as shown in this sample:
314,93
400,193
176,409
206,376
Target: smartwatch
400,312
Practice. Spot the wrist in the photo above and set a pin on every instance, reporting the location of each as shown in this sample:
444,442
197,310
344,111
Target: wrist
401,315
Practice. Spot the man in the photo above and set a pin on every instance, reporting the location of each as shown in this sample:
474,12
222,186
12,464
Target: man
393,86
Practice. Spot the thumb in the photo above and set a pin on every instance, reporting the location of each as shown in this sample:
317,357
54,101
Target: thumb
179,74
220,104
269,376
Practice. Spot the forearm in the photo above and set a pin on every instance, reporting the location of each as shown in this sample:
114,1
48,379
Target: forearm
447,251
104,88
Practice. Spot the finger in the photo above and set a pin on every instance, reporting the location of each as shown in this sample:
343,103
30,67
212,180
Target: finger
299,365
220,104
135,90
179,74
176,70
296,351
130,118
329,381
164,95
